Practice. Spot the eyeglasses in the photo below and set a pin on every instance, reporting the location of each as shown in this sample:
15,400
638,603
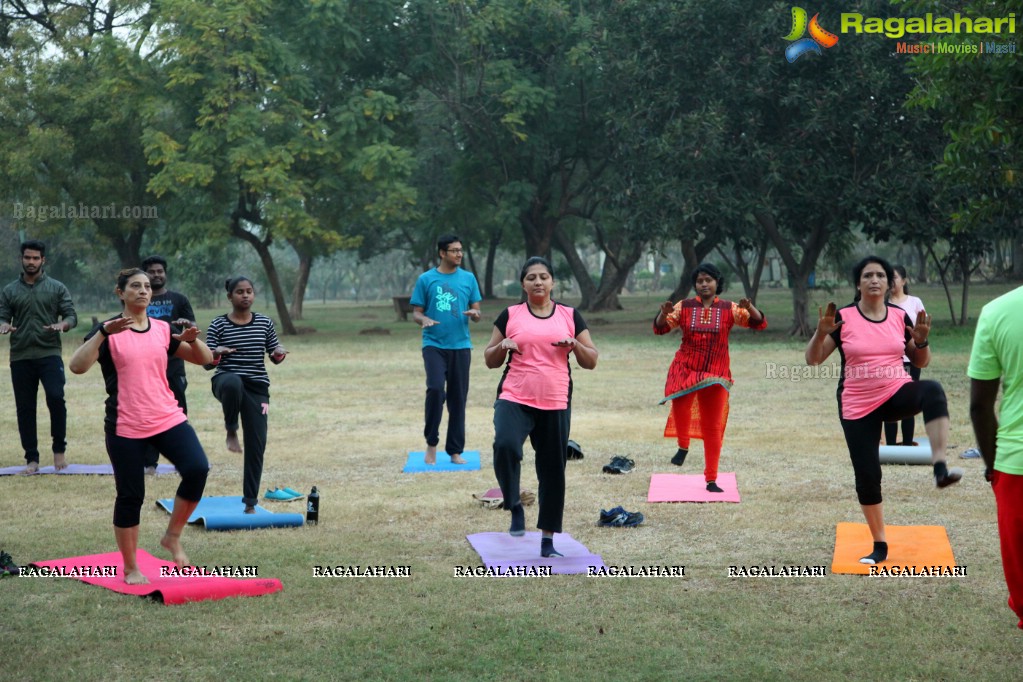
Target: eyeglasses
454,250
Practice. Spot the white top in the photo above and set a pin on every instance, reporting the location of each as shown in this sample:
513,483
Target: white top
913,306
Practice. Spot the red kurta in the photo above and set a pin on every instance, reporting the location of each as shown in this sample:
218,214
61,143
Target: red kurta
702,358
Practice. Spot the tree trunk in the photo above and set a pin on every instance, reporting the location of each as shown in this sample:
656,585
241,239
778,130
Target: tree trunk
263,249
811,247
618,265
964,267
944,283
305,266
587,288
488,275
693,254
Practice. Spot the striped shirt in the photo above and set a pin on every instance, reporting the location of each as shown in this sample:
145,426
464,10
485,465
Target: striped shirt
250,341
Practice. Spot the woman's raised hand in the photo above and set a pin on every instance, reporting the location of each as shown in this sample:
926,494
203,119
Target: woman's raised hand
826,320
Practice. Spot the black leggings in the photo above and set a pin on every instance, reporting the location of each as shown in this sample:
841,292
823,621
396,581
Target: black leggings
178,444
891,429
547,431
862,435
249,401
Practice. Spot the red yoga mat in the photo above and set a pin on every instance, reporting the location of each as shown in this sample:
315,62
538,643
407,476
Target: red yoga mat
168,590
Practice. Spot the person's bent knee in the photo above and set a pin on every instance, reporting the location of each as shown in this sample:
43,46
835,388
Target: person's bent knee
933,400
127,512
868,493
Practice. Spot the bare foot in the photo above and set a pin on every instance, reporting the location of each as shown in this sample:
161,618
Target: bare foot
431,454
457,459
250,509
232,442
135,577
172,543
31,468
59,461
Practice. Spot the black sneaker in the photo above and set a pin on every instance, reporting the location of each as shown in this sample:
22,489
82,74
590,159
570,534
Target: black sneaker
680,457
619,465
951,476
574,451
7,565
619,518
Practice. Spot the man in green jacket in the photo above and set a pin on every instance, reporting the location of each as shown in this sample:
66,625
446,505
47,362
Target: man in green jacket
34,310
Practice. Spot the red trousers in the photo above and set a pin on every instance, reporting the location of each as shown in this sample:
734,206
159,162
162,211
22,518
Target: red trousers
1009,498
712,402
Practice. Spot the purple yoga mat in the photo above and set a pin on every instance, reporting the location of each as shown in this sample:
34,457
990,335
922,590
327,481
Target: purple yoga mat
502,551
94,469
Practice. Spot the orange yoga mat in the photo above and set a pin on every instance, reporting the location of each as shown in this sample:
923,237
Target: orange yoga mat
922,547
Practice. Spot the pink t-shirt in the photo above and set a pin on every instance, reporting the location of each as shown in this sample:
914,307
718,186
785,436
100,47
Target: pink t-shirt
135,370
538,375
913,307
871,353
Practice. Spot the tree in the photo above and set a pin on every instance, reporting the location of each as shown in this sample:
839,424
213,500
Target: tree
267,137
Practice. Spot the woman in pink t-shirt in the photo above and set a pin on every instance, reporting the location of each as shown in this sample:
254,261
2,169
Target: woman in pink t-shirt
141,412
535,394
872,336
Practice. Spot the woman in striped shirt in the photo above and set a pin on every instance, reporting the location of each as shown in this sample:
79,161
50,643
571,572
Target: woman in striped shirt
239,340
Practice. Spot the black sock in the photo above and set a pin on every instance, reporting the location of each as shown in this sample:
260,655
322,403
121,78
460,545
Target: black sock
879,554
940,470
712,487
518,520
547,548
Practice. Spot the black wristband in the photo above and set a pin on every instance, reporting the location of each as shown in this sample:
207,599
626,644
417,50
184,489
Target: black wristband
922,345
103,330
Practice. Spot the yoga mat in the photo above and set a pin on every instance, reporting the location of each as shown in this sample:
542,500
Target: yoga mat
228,513
94,469
691,488
176,590
922,546
906,454
501,551
416,463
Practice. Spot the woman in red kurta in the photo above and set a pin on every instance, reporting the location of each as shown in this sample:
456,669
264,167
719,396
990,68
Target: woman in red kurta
700,378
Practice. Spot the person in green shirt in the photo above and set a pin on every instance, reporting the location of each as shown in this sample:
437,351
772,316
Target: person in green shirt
997,359
34,310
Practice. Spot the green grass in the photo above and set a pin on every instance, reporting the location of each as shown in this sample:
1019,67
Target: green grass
346,407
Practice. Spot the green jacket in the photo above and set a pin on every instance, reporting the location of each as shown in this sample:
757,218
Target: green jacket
29,307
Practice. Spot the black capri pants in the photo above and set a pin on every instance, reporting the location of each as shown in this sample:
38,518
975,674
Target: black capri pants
179,444
863,435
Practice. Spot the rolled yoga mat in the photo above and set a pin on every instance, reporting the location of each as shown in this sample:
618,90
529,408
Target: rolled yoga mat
906,454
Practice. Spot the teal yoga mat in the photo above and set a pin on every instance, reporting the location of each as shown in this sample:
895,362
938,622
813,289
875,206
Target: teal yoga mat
228,513
416,463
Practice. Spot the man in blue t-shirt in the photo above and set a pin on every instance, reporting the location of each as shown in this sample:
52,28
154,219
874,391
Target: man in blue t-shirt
443,302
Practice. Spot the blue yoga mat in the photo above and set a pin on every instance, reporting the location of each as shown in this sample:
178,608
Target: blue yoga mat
228,513
416,463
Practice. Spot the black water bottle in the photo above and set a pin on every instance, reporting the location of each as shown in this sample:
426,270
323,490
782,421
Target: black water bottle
312,510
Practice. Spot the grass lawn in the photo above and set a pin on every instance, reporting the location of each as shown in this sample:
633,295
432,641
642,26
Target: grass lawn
346,409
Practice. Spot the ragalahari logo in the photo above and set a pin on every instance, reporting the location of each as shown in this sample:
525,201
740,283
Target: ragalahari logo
818,36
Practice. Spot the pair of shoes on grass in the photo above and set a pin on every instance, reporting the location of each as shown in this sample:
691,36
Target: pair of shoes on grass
619,518
283,495
7,565
619,465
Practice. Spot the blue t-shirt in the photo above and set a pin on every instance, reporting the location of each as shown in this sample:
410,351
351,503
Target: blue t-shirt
444,298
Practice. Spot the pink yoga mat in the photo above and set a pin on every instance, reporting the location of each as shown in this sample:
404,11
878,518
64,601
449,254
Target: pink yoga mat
691,488
502,551
169,590
93,469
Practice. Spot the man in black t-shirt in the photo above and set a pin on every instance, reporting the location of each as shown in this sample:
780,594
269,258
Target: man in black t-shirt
171,307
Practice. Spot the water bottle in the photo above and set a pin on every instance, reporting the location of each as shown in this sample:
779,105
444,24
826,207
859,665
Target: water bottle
312,510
